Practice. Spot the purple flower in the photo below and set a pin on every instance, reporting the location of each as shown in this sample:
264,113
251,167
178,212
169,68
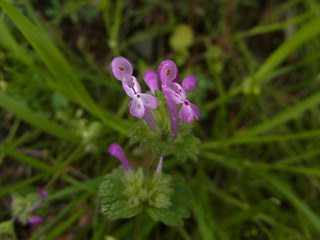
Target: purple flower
43,194
122,70
116,151
168,72
140,101
176,96
35,220
151,79
189,83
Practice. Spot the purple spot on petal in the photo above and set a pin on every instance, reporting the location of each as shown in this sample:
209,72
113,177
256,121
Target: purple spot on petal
138,96
186,102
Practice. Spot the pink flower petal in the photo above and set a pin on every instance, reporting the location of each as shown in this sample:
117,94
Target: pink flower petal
171,96
149,101
136,108
116,151
176,79
189,82
43,193
122,69
131,91
35,220
195,110
188,111
167,71
178,89
151,79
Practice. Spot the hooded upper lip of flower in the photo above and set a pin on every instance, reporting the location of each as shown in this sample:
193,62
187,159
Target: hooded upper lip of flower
122,70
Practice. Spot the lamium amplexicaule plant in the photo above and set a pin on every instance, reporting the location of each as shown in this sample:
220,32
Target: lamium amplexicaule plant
24,209
126,191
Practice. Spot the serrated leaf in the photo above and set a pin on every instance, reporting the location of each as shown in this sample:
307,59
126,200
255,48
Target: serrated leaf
114,204
180,208
188,148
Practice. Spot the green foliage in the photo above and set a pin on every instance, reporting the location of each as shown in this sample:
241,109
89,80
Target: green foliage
258,177
114,203
184,146
7,231
21,207
126,194
179,208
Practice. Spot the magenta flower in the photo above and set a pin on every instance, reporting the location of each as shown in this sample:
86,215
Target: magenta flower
23,207
43,194
35,220
122,70
176,95
140,101
189,83
116,151
151,79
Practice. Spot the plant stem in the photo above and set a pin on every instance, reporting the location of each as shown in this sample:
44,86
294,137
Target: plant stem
153,168
136,227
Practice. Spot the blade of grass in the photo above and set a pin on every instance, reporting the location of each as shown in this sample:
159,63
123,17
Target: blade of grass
61,70
287,192
32,162
273,27
36,119
284,116
66,224
5,190
60,216
315,133
308,31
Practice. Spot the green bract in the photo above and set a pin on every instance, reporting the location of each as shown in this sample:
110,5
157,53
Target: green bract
126,194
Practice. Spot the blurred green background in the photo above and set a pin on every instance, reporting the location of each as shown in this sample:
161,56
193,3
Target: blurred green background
257,64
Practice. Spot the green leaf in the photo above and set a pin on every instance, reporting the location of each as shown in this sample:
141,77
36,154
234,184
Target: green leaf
114,203
180,205
7,231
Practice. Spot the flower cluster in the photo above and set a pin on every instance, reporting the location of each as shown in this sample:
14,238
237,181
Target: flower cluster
174,93
126,192
23,207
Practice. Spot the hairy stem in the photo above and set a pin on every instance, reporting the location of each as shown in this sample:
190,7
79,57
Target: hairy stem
174,119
